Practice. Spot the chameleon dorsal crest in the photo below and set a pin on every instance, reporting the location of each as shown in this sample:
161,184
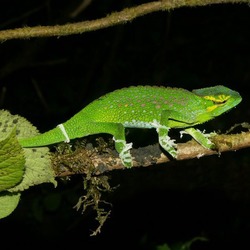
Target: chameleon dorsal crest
161,108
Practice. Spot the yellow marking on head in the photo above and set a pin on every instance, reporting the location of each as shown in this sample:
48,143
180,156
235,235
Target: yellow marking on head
211,108
219,99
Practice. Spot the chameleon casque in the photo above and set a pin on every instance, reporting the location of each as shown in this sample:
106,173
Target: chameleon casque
161,108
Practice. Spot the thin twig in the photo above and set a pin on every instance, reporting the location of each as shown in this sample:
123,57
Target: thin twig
124,16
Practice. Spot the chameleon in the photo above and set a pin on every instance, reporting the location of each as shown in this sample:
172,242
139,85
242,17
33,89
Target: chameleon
139,106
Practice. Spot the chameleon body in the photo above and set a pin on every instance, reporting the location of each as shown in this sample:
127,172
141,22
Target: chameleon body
156,107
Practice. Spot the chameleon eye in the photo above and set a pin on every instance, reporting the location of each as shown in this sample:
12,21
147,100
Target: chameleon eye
218,99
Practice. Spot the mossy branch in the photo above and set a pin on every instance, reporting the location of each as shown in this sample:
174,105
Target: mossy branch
124,16
83,161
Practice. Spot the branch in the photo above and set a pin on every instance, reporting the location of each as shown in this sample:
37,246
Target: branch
84,161
124,16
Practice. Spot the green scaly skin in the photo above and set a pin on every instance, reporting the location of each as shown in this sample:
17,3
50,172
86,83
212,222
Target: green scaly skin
161,108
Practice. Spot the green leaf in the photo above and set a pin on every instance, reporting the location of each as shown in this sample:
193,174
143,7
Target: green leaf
19,168
8,122
38,167
8,203
11,162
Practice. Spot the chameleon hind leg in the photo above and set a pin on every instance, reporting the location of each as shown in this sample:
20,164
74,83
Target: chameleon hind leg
115,129
121,146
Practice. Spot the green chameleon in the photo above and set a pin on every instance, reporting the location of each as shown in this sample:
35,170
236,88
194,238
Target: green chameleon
156,107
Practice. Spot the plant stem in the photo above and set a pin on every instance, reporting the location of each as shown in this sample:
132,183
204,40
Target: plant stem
115,18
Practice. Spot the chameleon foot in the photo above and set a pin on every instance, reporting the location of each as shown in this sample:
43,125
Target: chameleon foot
200,137
169,145
123,149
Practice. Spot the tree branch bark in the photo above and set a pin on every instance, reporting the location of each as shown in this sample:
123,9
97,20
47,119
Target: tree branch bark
82,161
124,16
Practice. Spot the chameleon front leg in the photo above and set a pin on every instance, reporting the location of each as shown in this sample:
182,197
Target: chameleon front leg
162,129
200,137
166,142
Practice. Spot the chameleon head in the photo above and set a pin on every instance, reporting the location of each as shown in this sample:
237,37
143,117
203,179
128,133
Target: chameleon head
222,98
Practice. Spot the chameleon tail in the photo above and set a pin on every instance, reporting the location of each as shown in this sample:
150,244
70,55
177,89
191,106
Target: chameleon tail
52,136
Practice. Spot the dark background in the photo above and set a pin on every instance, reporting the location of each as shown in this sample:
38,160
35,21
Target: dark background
47,80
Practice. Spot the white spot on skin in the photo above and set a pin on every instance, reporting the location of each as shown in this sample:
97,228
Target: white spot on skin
61,127
157,125
137,124
141,124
